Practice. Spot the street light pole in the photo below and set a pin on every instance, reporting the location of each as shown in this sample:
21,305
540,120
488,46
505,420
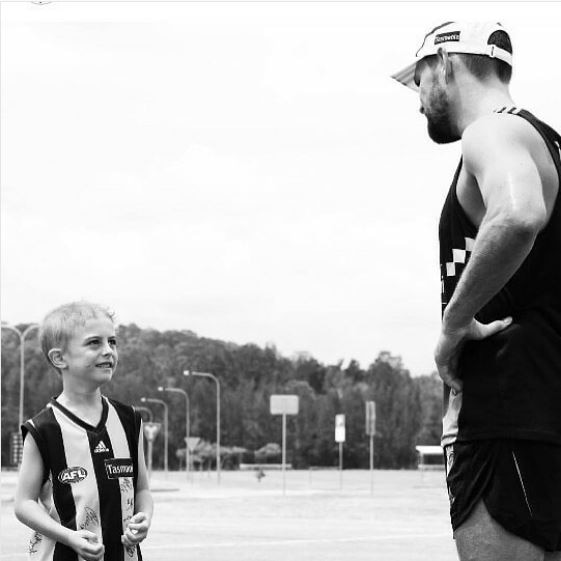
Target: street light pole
149,411
149,451
212,376
161,402
21,336
187,422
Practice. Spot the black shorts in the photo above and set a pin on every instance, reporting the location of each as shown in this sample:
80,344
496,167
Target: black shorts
518,480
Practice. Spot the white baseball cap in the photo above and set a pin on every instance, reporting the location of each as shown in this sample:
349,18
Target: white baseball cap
456,37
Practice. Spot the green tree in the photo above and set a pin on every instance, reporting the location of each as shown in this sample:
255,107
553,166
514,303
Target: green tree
398,412
430,392
408,409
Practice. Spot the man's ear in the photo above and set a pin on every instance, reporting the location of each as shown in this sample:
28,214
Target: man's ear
56,358
445,64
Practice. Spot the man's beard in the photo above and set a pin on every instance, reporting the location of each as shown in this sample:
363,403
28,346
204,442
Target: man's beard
439,124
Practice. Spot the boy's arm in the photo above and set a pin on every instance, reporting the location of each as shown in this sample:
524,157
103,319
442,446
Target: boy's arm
143,499
139,524
32,514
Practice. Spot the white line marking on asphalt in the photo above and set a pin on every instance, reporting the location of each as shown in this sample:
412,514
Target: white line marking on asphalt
257,543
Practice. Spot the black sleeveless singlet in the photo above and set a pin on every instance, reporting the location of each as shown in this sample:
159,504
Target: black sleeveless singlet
512,380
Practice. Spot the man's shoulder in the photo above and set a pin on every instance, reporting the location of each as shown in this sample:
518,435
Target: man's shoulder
498,137
502,128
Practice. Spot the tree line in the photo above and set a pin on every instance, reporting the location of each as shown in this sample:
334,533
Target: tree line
408,409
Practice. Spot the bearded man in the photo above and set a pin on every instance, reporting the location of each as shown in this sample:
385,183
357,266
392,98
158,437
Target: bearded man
499,350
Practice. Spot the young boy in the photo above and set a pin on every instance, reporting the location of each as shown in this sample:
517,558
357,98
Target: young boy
83,485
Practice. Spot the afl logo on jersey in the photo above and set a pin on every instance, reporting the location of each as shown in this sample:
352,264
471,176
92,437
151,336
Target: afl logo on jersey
72,475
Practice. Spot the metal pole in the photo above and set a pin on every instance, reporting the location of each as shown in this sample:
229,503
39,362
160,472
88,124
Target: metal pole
21,379
340,465
187,434
209,375
371,464
217,429
284,453
149,411
187,427
161,402
21,337
166,441
371,431
150,450
22,369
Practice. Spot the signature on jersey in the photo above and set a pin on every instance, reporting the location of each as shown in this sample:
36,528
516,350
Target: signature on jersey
35,540
91,519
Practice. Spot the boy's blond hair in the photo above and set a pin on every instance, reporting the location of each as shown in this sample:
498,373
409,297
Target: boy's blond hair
59,325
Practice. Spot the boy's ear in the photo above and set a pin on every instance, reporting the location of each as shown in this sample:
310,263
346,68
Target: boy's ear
56,358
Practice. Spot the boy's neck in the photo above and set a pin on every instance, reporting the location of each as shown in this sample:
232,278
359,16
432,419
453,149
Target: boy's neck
85,405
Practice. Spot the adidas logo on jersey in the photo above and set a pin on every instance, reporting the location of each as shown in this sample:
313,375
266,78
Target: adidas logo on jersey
100,448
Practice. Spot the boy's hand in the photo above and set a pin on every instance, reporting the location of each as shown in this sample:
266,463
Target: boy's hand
137,529
86,545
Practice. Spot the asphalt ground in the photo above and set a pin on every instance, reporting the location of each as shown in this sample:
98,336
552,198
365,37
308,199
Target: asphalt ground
403,517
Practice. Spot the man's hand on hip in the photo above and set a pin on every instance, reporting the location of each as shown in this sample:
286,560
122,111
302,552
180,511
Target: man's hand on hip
452,340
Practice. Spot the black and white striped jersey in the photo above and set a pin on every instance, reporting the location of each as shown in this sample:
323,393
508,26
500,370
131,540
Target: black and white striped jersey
512,380
90,476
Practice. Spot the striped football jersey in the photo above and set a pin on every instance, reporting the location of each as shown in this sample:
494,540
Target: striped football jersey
90,477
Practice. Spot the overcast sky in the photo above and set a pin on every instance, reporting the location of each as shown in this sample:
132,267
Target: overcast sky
245,170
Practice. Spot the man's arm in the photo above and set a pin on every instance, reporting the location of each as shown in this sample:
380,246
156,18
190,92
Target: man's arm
496,155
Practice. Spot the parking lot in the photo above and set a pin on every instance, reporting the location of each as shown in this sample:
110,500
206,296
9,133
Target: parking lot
404,519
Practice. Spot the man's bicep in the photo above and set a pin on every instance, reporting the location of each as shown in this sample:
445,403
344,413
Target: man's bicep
512,184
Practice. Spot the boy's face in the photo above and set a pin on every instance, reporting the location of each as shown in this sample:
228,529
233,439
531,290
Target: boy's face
91,353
